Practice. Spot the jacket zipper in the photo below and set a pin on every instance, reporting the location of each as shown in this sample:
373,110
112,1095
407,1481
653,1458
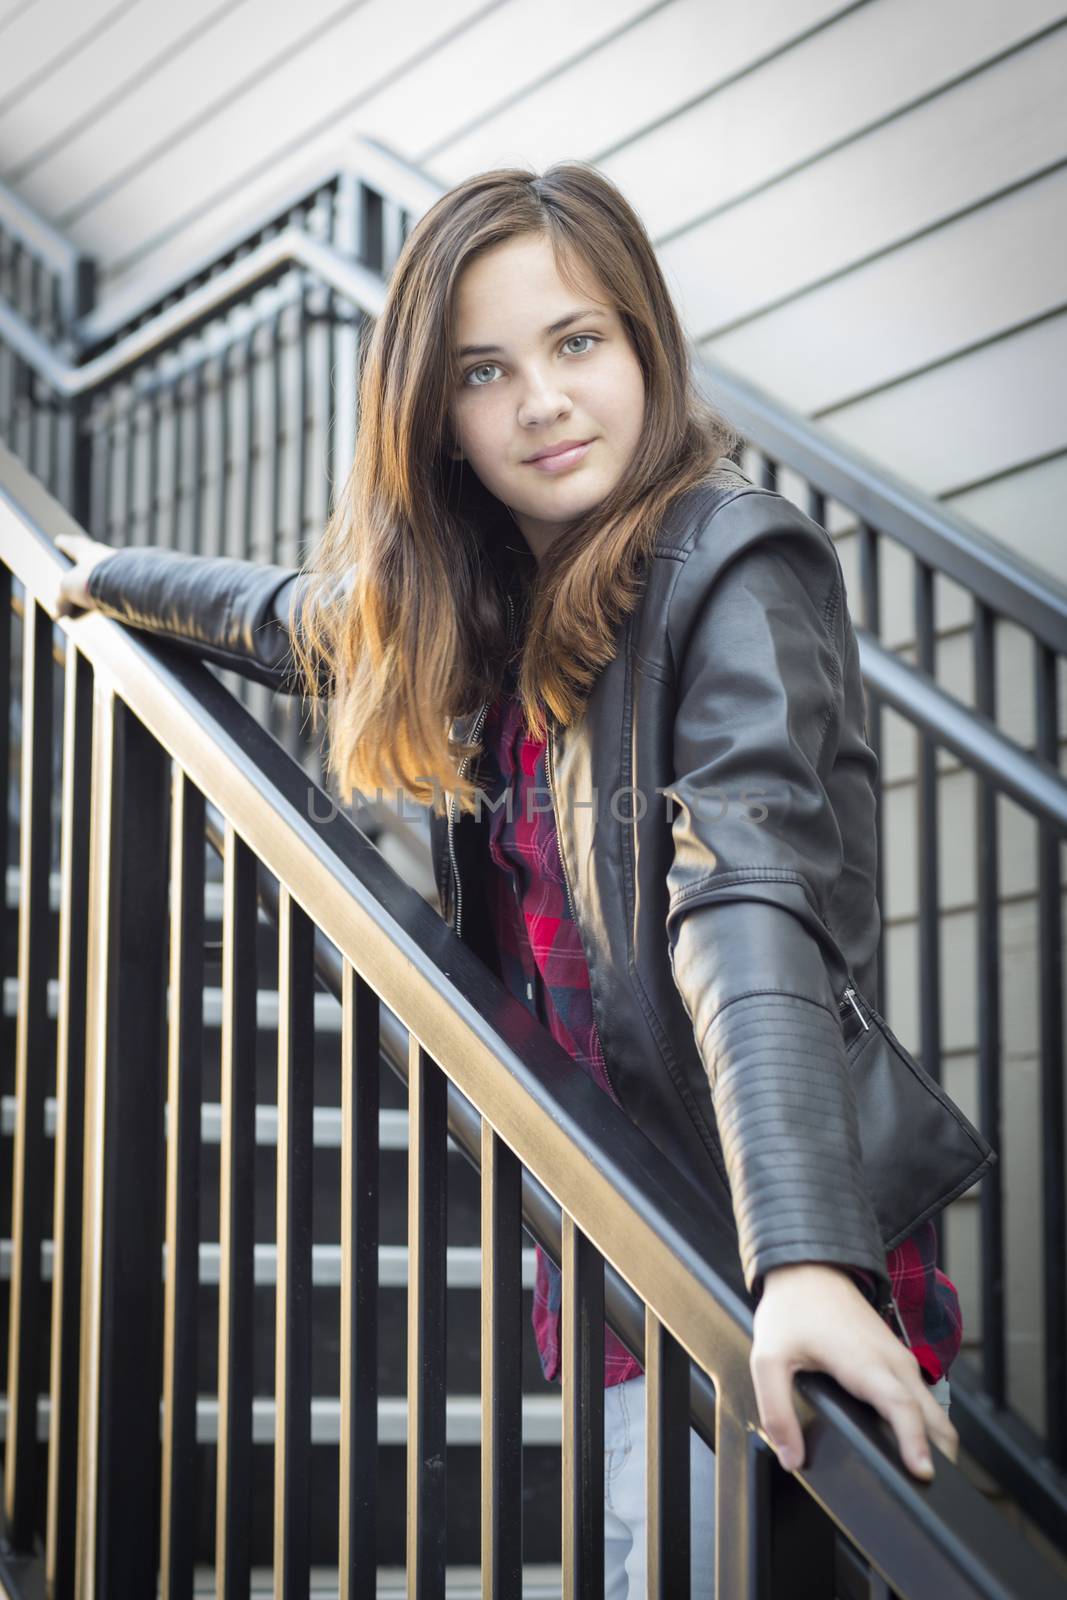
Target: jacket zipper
555,817
479,723
890,1309
567,888
849,999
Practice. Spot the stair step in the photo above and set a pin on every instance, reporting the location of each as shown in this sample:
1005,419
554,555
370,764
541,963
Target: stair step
542,1418
542,1581
464,1265
326,1127
327,1006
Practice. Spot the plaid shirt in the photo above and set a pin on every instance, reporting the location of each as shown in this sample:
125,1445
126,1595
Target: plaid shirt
544,966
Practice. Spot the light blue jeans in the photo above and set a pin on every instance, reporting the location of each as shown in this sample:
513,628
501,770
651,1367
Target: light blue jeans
624,1495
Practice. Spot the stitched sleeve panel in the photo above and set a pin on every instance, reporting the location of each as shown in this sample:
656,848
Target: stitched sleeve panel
787,1120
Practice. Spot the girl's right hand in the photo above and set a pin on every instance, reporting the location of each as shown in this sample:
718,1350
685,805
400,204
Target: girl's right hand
73,588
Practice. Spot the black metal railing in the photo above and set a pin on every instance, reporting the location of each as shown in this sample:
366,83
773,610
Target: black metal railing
177,765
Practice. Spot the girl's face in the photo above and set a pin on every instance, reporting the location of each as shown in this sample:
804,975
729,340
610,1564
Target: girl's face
542,366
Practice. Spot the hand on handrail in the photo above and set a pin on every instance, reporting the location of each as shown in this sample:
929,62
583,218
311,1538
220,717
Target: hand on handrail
73,592
812,1316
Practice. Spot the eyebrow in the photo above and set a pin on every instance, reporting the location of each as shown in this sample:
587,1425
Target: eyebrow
581,315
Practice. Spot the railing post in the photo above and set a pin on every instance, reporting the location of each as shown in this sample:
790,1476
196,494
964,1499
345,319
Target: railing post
123,1239
667,1476
427,1264
186,1031
28,1192
292,1327
360,1100
501,1333
237,1088
582,1331
70,1126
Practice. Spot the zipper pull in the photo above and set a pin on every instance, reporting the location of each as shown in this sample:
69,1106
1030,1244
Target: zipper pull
850,996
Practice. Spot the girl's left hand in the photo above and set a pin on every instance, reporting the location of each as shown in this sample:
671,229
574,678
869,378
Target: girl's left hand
813,1317
74,584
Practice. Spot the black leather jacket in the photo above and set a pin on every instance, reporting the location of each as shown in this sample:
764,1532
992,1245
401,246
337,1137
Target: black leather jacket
715,816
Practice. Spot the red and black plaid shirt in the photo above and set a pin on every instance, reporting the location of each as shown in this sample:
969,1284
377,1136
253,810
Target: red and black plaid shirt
544,966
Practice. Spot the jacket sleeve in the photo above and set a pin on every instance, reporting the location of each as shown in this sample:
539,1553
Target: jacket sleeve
757,850
234,613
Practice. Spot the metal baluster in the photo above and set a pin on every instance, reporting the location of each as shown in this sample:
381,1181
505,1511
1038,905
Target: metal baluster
1050,1002
292,738
427,1325
394,228
222,486
54,406
871,591
196,475
31,1050
302,337
7,357
274,434
743,1495
501,1333
927,856
123,1242
236,1220
987,874
77,293
372,232
292,1335
249,469
667,1476
32,313
582,1356
154,504
70,1126
177,539
349,221
178,1507
278,719
329,396
358,1464
20,372
132,534
927,796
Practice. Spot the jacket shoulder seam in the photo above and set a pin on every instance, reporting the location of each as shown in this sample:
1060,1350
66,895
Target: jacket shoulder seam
738,875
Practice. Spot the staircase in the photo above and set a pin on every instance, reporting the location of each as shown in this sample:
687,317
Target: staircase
541,1408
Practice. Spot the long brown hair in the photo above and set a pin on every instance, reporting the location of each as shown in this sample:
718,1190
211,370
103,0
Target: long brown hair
403,598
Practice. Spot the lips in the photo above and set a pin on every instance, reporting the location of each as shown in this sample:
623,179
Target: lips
561,457
556,449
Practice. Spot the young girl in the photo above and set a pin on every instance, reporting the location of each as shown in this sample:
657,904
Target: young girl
546,562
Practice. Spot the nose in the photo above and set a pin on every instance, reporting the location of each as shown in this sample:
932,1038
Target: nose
542,402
